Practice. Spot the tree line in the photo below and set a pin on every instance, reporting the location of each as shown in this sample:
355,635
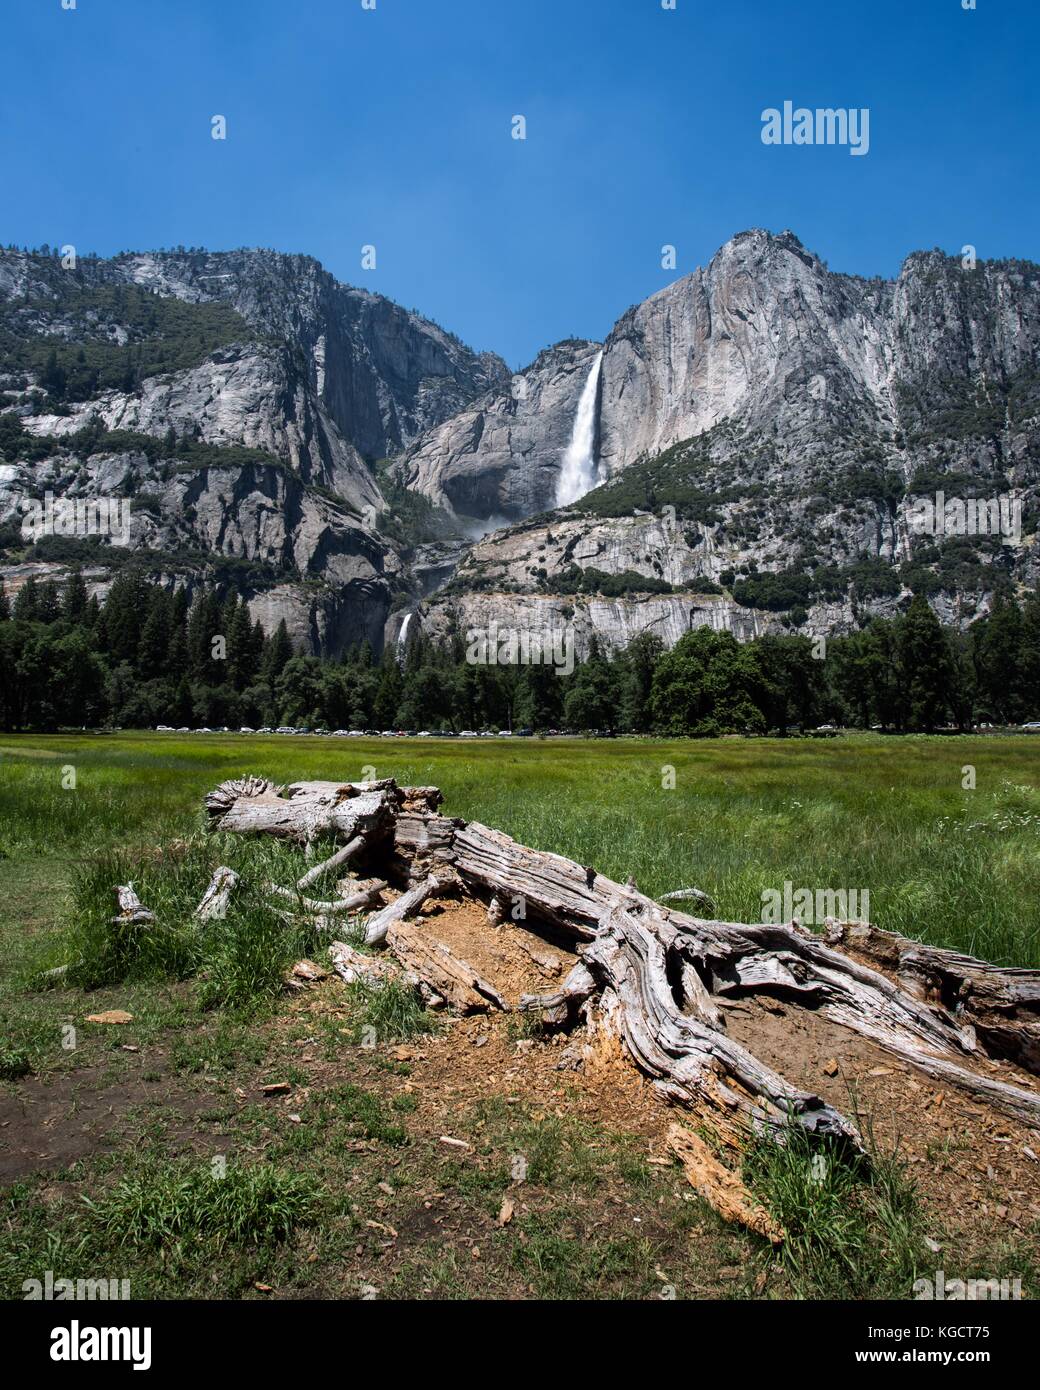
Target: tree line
152,655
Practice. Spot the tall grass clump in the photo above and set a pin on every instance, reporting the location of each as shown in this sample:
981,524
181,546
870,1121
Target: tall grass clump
853,1225
239,960
392,1009
103,950
171,1205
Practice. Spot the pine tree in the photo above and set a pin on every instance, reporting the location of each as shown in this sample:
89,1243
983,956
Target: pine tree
5,606
926,665
153,649
24,610
278,652
74,600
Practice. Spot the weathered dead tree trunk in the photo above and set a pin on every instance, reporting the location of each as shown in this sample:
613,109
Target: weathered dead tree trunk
660,979
214,904
344,811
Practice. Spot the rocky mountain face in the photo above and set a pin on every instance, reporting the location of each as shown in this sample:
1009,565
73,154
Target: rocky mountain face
764,433
499,459
767,417
242,350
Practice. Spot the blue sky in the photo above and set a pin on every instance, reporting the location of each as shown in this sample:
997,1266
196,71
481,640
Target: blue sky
392,127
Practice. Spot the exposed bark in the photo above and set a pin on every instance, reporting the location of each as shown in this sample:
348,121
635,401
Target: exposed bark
306,811
719,1186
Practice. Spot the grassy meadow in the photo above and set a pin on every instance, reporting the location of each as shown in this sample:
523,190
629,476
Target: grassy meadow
949,865
128,1120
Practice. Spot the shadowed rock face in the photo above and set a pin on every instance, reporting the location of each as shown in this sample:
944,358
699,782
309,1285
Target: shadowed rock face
322,378
500,458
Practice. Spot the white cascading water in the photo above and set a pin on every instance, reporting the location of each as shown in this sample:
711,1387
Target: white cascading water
578,473
402,637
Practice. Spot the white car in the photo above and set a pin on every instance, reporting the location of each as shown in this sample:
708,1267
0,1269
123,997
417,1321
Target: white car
244,730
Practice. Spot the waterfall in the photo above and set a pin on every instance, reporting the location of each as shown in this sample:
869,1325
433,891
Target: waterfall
578,473
402,637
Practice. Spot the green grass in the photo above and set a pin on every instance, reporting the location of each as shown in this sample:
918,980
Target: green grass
886,815
174,1204
853,1225
316,1178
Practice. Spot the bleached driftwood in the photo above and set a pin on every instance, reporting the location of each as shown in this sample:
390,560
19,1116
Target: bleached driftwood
214,904
334,861
405,906
337,907
689,895
131,908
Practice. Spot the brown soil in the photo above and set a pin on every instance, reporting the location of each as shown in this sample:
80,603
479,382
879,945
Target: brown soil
973,1166
46,1125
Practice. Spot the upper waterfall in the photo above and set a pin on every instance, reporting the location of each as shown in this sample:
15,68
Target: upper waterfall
578,472
402,637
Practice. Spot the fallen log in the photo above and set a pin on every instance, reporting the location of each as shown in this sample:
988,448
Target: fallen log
1002,1004
340,809
661,980
546,885
692,1063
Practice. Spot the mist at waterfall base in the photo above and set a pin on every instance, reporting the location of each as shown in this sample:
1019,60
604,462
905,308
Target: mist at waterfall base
578,472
